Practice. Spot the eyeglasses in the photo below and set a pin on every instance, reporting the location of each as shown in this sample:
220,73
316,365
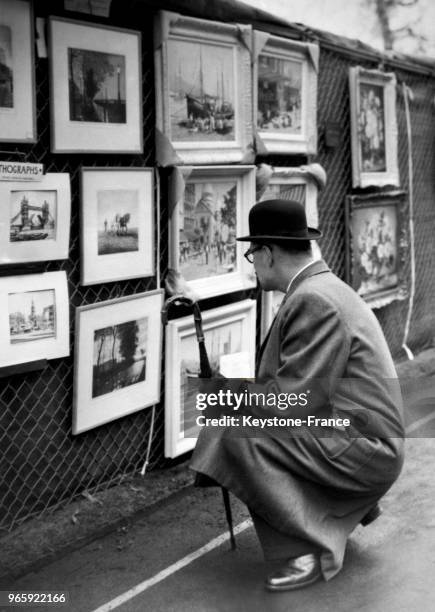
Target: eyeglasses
249,254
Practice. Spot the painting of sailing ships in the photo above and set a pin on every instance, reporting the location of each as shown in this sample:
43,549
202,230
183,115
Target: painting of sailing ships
96,86
279,95
207,229
117,213
6,70
119,356
33,215
201,91
32,315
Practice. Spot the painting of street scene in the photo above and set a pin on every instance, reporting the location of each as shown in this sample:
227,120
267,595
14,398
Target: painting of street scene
279,95
32,315
33,215
120,356
117,219
201,91
374,232
371,128
222,340
6,70
96,86
207,229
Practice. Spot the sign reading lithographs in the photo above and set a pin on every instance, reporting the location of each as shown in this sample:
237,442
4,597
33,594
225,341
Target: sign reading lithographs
20,171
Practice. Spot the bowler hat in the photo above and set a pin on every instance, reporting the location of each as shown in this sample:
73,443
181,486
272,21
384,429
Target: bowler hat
279,220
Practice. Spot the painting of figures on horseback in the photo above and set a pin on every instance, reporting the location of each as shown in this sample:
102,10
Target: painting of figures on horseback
207,231
119,356
376,243
117,221
117,224
201,91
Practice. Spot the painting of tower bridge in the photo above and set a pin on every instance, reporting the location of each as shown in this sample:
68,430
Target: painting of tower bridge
33,215
32,315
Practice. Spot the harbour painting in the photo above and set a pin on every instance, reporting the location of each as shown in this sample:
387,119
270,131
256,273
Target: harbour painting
207,229
201,91
97,91
32,315
371,128
120,356
6,69
33,215
279,95
117,219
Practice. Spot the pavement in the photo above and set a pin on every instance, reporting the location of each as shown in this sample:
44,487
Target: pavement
173,552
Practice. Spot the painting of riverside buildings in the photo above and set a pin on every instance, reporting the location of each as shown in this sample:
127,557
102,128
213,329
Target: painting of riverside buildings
201,91
207,229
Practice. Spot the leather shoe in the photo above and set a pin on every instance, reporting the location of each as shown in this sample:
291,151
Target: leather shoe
295,574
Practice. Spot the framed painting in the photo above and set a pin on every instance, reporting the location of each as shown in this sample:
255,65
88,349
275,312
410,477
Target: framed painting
117,359
117,224
17,73
203,88
228,330
285,94
296,184
35,317
35,219
377,246
96,86
203,228
373,128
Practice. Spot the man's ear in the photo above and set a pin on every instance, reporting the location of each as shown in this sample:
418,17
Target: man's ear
269,255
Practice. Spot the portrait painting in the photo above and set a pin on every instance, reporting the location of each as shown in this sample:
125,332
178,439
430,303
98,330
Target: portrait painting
201,91
117,221
376,235
32,315
96,86
33,215
117,359
285,94
34,320
228,330
120,355
203,85
374,135
212,210
117,224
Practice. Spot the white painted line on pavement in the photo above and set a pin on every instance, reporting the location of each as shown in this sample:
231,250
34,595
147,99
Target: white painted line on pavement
419,423
146,584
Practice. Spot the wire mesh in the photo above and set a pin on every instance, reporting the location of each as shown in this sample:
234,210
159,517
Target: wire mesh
42,465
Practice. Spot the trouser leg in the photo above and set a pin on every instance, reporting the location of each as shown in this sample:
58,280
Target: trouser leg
277,545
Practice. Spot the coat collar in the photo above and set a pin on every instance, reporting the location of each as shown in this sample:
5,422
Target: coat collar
317,267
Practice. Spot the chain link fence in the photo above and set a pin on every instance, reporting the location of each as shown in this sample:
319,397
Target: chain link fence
42,465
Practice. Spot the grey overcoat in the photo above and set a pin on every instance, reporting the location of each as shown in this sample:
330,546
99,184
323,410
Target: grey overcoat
317,488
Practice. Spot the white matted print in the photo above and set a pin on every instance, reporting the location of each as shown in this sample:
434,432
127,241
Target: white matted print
17,75
227,330
117,224
203,88
35,219
204,225
285,93
373,127
95,88
117,359
35,317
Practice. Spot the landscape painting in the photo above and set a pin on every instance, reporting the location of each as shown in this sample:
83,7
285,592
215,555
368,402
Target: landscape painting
207,229
371,128
33,215
117,212
201,91
120,356
279,94
6,68
32,315
97,91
